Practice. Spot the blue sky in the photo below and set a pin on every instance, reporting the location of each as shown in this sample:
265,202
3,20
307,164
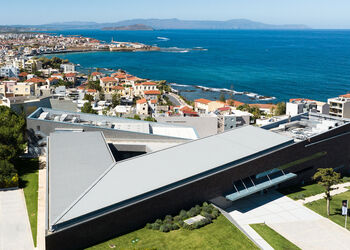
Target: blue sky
315,13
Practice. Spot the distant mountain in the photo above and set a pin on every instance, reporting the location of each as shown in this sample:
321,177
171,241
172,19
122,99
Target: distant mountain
160,24
130,27
217,25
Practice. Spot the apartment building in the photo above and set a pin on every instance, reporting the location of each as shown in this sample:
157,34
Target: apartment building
340,106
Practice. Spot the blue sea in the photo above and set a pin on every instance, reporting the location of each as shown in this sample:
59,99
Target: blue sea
312,64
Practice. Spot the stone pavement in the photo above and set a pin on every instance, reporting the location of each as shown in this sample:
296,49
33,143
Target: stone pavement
339,188
298,224
15,232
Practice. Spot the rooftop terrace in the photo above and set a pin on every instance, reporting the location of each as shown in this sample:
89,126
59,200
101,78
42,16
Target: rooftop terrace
114,123
304,126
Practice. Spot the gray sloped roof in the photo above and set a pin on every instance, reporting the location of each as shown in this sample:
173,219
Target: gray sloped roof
75,162
154,171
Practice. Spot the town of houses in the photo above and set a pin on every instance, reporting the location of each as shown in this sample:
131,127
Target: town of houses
28,82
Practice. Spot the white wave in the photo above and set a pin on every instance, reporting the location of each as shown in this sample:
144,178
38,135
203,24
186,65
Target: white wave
175,50
180,85
163,38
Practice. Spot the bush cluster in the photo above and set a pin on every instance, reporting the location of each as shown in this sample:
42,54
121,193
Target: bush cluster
170,223
8,175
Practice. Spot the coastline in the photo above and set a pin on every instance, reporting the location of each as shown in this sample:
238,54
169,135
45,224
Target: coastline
188,91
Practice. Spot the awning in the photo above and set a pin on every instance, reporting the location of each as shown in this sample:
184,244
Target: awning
254,184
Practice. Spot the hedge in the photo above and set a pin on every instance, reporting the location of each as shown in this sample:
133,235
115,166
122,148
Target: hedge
170,223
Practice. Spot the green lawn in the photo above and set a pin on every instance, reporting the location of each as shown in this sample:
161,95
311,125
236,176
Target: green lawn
300,192
28,180
276,240
335,212
221,234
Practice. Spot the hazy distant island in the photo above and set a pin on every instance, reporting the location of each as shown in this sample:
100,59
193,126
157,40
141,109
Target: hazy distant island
162,24
130,27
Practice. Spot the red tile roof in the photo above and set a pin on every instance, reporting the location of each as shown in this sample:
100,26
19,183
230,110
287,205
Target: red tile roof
35,80
52,78
118,87
141,101
234,103
23,74
149,83
203,101
108,79
186,109
91,90
300,99
154,101
152,92
119,75
70,75
224,108
263,105
345,96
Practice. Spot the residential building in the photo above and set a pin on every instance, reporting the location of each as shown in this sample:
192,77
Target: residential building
204,106
151,94
71,77
67,68
107,83
201,106
142,107
9,71
96,76
340,106
299,105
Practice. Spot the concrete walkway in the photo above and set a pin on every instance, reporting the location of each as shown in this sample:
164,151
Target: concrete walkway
298,224
41,210
15,232
338,189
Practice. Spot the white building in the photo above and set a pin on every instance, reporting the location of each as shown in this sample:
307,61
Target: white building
298,106
340,106
68,68
9,71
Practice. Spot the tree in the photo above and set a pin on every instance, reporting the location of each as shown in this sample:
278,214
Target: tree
12,127
327,177
280,108
102,95
222,97
88,109
88,97
115,100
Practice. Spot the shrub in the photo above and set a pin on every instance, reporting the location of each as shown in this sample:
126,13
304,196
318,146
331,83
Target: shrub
198,209
205,204
159,221
174,227
207,209
177,218
165,228
183,214
215,213
181,223
8,175
149,226
155,226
